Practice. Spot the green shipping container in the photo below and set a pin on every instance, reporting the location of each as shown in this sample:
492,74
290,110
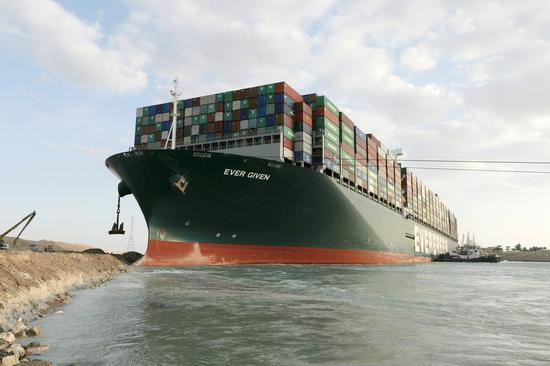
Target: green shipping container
347,140
288,133
325,102
332,147
332,137
325,123
261,122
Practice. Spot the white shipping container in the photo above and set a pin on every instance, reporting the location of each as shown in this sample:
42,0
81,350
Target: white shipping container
195,130
164,135
303,136
287,153
188,112
211,99
244,124
236,105
196,111
218,116
139,112
187,140
188,121
361,168
302,146
143,139
360,150
158,118
270,108
165,117
204,100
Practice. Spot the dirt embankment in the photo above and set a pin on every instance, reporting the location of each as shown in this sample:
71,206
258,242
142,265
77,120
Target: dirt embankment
520,256
30,282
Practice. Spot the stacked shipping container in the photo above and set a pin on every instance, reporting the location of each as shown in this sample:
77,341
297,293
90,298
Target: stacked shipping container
310,129
425,206
326,132
303,128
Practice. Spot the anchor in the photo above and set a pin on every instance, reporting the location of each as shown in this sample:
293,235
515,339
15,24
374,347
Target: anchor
117,229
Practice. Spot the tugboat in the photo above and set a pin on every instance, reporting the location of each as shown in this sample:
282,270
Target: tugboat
468,251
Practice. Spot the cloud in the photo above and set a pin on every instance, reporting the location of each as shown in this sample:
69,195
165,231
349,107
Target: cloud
440,78
418,58
69,48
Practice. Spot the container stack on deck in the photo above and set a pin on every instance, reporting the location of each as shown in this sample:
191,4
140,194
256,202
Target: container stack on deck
309,130
303,128
326,132
425,206
361,175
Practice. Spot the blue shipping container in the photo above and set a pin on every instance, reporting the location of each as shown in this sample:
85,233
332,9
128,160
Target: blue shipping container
302,156
261,100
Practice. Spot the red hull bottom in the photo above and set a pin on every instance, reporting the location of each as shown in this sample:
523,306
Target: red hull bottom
168,253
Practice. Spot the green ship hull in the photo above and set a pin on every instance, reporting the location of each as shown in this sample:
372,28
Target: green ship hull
215,208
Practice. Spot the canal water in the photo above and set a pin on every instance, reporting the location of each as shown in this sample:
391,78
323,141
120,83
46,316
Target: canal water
425,314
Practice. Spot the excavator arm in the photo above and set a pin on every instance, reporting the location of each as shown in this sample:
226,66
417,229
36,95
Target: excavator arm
27,218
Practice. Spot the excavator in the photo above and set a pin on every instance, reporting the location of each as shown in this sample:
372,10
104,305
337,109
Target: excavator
28,219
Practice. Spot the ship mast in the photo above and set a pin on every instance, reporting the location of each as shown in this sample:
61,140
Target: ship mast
172,133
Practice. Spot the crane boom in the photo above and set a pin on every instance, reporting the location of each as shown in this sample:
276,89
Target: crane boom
27,218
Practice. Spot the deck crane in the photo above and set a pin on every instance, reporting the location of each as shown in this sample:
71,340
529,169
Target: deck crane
28,220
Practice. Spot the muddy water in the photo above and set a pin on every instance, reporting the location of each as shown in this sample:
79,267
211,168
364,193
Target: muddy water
426,314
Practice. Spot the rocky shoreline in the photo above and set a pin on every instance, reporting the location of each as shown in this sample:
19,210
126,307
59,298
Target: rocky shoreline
34,284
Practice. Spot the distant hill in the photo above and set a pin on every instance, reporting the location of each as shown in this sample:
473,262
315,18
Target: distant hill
23,244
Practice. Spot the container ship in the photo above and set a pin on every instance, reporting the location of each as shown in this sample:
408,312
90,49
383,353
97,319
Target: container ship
267,175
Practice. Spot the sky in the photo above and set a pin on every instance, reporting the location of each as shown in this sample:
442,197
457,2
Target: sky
465,80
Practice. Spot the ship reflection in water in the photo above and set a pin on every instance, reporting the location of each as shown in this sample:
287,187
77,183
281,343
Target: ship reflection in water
309,315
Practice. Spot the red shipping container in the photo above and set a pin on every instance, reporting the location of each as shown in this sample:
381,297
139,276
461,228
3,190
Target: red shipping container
346,120
235,126
321,111
196,102
302,117
371,150
219,126
288,143
360,142
283,87
281,118
302,107
211,117
348,149
219,107
252,103
372,140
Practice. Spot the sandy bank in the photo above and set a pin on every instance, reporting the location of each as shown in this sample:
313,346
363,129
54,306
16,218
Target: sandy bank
538,256
28,281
